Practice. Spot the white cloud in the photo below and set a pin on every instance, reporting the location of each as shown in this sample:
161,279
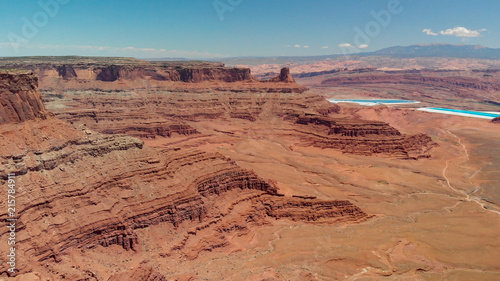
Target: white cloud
346,45
297,46
429,32
324,47
5,45
305,47
363,46
460,31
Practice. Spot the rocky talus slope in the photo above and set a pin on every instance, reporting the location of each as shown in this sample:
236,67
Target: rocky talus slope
79,190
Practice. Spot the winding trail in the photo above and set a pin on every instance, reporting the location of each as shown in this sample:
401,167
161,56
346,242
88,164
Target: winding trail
468,198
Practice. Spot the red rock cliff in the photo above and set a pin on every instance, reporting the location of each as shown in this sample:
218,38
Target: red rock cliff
20,100
285,76
62,74
80,190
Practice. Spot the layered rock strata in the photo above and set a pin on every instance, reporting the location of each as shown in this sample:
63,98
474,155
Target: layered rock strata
20,100
306,117
68,73
285,76
362,137
152,114
78,189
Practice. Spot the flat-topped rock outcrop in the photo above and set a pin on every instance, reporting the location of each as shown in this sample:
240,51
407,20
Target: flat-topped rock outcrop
80,73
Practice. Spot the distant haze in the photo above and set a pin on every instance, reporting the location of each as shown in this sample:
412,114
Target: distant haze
199,29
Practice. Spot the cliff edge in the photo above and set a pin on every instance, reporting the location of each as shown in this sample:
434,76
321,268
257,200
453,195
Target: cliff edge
20,99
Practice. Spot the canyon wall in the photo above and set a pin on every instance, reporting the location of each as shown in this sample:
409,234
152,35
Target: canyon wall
124,98
81,74
308,118
78,190
361,137
20,99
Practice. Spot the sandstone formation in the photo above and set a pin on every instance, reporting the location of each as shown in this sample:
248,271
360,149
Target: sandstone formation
158,113
20,98
297,209
244,185
167,115
114,74
185,74
362,137
305,117
79,190
284,76
66,71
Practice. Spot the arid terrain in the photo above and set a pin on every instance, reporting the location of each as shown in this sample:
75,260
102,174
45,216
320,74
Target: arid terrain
134,170
470,90
440,82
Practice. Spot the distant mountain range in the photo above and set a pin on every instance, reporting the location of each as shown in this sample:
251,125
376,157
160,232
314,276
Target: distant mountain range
413,51
438,50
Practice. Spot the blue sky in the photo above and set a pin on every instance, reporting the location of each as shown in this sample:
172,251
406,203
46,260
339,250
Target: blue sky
226,28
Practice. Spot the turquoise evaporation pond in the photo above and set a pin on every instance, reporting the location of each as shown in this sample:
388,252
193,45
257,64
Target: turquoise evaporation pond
374,101
493,115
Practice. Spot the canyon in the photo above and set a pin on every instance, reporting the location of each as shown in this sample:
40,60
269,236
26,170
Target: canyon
131,170
465,83
114,74
68,176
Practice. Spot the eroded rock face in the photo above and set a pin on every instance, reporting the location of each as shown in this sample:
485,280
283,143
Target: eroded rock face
177,74
197,75
153,115
131,75
285,76
66,71
20,100
298,209
71,191
79,189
